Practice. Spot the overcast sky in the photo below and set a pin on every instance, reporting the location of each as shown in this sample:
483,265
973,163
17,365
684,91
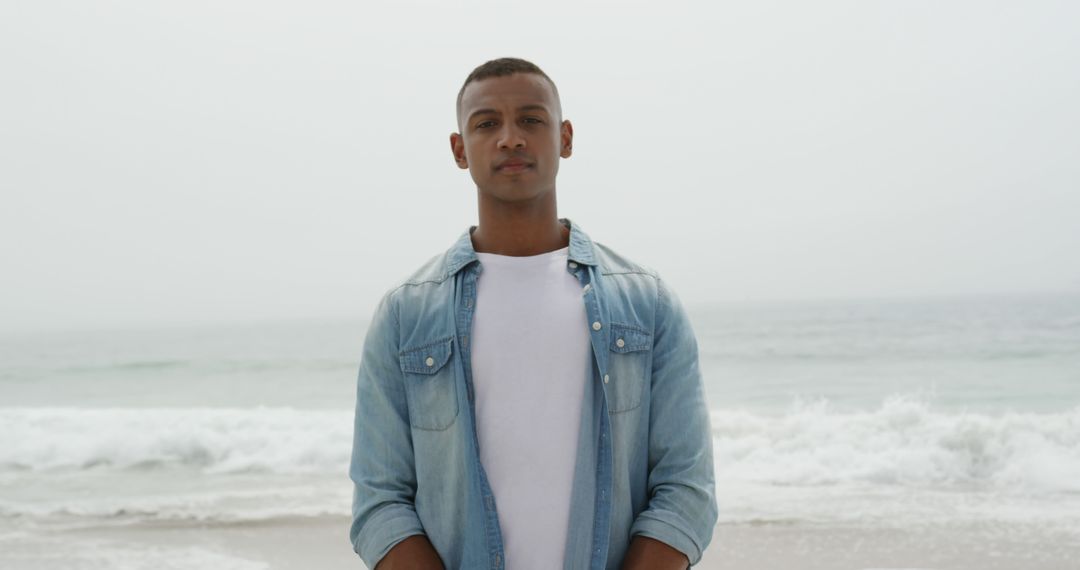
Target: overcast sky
221,161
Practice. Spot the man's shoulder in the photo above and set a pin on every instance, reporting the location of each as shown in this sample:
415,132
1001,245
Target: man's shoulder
431,272
611,262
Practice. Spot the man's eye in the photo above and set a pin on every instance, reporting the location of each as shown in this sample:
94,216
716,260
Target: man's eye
533,119
485,123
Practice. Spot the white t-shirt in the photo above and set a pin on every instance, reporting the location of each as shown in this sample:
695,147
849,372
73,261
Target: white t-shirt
531,363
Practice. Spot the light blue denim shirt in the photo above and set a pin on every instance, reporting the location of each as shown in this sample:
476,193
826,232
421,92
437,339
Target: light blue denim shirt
644,455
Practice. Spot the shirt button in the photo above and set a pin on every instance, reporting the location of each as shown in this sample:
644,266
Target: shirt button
596,326
605,378
620,343
430,361
573,265
586,288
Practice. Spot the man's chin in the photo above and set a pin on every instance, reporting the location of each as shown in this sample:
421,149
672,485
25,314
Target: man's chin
514,193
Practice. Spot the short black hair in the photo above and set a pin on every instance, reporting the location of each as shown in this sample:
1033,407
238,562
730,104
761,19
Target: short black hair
503,67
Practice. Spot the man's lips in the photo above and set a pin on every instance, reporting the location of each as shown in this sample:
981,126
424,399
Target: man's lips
513,165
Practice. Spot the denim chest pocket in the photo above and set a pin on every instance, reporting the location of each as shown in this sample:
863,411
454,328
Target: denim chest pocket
628,366
429,384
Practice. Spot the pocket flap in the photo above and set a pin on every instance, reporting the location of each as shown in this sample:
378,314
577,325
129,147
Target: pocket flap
628,338
427,359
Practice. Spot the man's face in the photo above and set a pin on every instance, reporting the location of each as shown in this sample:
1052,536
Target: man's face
511,136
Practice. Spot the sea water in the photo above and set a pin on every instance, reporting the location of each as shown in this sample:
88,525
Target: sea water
871,413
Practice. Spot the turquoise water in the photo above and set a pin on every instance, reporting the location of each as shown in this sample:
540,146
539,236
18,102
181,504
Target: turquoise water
989,354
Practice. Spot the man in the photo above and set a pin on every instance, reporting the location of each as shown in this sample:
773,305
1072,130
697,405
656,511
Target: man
528,399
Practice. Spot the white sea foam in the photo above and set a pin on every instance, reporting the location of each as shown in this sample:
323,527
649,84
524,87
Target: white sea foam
269,500
905,443
903,462
275,440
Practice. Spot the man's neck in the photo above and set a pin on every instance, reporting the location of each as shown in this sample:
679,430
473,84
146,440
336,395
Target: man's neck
520,233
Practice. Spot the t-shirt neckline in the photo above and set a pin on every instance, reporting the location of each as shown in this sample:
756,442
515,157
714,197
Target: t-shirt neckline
518,260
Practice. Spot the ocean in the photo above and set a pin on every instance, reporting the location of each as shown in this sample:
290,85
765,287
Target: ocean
898,418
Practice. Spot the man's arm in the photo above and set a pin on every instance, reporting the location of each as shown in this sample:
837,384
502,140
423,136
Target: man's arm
415,552
648,554
382,467
682,494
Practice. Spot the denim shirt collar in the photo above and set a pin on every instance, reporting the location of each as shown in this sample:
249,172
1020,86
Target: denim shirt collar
462,253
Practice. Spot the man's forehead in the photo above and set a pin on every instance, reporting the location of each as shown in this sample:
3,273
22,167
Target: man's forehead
516,91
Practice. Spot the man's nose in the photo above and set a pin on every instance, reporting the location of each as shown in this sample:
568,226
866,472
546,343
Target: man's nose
510,137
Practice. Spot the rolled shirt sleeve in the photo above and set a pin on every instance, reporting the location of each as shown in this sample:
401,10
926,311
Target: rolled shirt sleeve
682,510
382,466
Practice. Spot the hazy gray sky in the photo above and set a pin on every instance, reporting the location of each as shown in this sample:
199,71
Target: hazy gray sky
205,161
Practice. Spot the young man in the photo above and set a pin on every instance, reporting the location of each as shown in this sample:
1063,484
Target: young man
528,399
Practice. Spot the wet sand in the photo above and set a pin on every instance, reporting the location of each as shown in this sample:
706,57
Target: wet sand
308,543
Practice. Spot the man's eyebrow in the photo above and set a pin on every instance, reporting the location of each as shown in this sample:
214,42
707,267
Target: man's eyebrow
530,107
481,112
533,107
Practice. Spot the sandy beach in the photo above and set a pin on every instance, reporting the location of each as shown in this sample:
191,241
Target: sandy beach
306,543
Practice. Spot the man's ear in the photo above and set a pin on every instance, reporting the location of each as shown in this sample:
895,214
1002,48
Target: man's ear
566,139
457,147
